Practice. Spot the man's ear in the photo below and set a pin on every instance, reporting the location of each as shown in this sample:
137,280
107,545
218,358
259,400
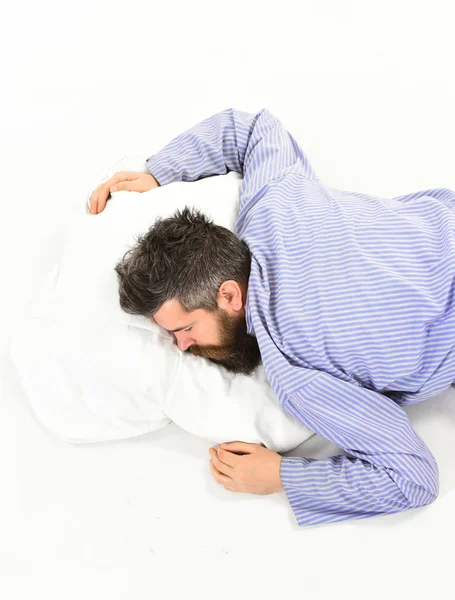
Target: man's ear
230,296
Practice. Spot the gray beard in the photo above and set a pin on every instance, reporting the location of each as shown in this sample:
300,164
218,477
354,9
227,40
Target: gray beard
241,358
239,351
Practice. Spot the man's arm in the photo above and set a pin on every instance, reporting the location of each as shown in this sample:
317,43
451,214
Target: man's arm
255,145
388,468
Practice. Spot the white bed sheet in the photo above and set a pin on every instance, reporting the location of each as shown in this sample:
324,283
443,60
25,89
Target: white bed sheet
103,512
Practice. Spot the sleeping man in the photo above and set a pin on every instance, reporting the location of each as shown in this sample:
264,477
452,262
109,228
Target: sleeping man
346,298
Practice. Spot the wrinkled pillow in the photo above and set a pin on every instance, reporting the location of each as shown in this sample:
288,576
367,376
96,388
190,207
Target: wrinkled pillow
95,373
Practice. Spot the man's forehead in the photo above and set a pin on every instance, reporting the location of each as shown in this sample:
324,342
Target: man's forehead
171,316
171,308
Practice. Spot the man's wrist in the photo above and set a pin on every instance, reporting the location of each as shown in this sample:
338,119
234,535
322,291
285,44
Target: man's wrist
280,484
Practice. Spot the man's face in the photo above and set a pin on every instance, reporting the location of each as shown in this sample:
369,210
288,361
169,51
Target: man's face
219,336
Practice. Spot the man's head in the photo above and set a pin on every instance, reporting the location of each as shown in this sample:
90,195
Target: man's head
191,277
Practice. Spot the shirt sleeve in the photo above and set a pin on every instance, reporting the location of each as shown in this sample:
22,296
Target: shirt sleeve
255,145
387,468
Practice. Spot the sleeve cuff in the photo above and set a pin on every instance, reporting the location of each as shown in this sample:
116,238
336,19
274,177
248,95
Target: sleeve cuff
159,171
290,475
288,470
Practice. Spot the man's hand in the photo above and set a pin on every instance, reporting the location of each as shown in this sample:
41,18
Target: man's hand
123,180
257,471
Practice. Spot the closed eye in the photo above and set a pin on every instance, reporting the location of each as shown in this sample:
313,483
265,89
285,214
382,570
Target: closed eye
189,329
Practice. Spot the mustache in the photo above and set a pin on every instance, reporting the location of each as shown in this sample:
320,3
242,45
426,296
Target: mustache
242,357
213,352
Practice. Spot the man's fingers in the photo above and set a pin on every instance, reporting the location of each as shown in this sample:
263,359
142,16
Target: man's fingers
219,476
99,198
219,464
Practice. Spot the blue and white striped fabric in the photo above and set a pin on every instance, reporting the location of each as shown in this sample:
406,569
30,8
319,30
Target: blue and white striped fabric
351,298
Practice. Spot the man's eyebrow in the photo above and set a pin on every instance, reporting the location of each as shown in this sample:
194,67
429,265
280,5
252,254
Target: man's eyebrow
179,329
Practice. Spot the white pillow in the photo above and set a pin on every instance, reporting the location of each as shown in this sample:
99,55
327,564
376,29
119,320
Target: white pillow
93,372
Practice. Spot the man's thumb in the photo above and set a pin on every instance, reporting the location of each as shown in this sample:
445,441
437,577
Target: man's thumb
243,447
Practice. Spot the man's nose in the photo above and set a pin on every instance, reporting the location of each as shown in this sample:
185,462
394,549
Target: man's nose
183,341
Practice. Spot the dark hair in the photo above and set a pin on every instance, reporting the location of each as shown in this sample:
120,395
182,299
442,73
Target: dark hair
185,257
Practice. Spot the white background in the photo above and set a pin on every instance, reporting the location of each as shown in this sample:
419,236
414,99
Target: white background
367,88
